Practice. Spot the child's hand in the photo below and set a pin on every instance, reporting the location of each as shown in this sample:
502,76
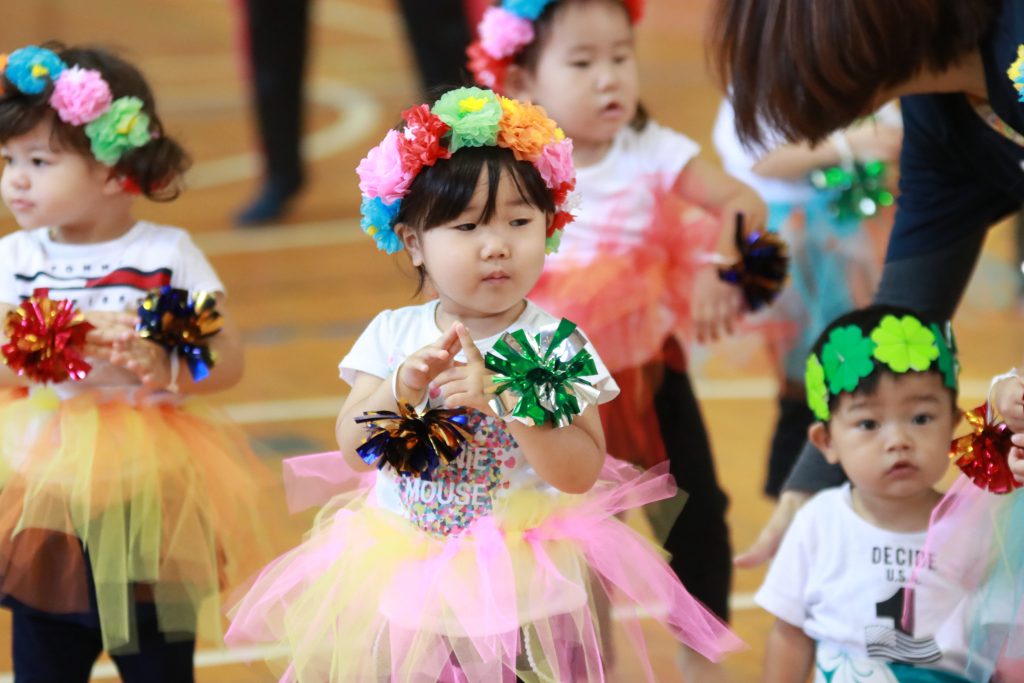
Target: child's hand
1008,400
147,360
716,306
1017,458
110,328
469,385
418,370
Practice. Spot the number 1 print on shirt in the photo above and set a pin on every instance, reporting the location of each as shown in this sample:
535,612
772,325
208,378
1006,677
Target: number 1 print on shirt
897,643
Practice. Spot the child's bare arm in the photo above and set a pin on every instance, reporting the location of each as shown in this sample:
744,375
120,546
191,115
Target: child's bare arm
717,305
789,654
868,140
371,393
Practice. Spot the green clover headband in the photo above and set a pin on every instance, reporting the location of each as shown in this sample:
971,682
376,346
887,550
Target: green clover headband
902,344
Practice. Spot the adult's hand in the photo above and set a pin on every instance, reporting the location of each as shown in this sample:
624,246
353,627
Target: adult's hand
763,549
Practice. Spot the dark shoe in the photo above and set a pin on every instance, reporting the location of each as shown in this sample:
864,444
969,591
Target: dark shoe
270,204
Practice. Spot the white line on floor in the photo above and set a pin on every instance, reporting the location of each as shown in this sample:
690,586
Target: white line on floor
358,114
324,407
242,655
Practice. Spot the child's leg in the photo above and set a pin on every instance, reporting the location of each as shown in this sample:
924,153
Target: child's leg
158,660
47,650
699,539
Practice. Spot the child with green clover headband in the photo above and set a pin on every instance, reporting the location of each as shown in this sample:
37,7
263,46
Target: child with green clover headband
473,553
117,531
882,383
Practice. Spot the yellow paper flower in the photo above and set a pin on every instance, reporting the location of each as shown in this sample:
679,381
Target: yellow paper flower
1014,72
525,129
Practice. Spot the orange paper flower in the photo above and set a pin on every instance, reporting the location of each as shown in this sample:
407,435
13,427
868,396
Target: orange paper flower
525,129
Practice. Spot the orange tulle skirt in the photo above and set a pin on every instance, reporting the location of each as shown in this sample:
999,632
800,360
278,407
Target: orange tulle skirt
635,305
160,503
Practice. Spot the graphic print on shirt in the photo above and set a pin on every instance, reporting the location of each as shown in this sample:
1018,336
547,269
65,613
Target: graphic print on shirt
463,491
94,285
892,639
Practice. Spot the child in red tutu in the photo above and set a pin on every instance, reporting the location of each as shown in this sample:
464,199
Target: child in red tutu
638,271
471,560
124,511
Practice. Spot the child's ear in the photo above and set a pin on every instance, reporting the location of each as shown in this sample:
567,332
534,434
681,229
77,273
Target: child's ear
819,435
411,239
519,83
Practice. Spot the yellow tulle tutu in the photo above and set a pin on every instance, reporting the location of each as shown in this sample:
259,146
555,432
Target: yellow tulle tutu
369,597
163,504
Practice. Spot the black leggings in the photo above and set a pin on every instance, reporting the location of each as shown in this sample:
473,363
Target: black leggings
699,539
54,650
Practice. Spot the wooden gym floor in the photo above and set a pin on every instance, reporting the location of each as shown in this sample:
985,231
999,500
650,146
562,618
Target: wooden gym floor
304,289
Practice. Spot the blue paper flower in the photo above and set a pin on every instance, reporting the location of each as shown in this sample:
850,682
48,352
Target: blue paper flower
378,222
528,9
31,68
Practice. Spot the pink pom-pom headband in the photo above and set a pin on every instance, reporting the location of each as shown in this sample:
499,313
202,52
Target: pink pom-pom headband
508,28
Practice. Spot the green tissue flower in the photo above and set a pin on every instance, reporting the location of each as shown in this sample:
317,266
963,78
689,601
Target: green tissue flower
817,392
847,358
473,114
120,129
904,344
948,363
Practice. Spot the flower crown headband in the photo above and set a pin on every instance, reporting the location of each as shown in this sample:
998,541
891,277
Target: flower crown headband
81,97
505,30
466,117
901,344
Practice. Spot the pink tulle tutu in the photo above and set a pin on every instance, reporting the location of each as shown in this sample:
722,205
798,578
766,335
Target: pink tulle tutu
370,597
975,532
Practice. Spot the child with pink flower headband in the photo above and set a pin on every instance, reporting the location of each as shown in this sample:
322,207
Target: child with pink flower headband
117,531
480,564
638,271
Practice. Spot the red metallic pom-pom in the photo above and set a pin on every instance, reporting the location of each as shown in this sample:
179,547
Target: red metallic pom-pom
982,454
45,340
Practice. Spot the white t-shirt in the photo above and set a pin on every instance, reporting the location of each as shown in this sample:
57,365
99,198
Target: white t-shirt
739,163
842,581
618,194
104,276
465,489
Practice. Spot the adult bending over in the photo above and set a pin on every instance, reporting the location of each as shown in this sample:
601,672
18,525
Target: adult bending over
806,68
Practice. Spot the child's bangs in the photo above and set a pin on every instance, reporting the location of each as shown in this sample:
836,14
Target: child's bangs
20,114
442,192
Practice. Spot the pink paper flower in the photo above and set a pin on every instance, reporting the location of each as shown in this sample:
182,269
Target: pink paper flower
381,173
502,34
555,165
80,96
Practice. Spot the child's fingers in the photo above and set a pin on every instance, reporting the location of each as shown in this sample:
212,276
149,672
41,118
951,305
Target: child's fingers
473,354
452,374
446,340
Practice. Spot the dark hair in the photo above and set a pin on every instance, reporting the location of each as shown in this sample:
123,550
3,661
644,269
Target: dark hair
804,68
156,168
529,56
440,193
867,319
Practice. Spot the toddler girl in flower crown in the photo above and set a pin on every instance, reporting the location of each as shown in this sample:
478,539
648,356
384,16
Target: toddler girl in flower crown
124,510
473,555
